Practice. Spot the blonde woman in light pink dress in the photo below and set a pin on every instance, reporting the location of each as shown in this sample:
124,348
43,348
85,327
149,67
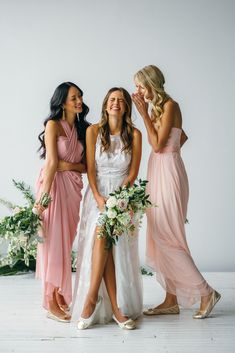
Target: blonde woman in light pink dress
167,250
62,144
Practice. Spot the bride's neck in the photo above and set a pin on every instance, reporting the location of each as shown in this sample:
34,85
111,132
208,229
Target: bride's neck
115,125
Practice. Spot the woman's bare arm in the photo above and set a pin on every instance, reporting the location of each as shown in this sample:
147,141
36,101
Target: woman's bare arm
68,166
136,157
51,133
91,137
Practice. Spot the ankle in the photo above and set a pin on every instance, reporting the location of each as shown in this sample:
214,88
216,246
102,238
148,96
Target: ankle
169,303
170,300
119,316
55,310
92,298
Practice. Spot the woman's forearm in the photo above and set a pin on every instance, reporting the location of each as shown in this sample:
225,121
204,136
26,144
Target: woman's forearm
78,167
64,166
130,179
153,137
48,176
91,174
152,134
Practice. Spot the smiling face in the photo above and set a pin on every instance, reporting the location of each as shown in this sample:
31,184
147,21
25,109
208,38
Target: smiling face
116,105
73,103
143,91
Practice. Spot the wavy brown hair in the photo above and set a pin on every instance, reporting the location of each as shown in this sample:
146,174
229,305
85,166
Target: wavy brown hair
153,79
127,124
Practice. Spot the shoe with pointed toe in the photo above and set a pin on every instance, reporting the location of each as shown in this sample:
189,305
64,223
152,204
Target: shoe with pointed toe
163,311
126,325
84,323
202,314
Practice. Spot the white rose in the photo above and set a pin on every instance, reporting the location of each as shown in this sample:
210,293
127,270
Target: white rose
111,202
111,214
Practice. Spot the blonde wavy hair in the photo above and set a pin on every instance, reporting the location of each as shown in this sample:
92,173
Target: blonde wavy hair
153,80
127,124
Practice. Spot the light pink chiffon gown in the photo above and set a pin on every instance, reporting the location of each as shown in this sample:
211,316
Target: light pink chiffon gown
167,251
60,221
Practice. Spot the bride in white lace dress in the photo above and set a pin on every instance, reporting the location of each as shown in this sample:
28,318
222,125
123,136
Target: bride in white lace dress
108,282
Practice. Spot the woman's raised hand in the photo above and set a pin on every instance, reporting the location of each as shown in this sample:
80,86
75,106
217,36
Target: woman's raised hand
140,104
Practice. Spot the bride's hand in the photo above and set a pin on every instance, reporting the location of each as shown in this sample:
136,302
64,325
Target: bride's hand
140,104
101,202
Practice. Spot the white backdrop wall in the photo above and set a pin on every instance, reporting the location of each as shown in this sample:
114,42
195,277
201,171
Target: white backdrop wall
100,44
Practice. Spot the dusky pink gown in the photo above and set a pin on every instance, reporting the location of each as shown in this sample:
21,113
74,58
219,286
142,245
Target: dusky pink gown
60,221
167,251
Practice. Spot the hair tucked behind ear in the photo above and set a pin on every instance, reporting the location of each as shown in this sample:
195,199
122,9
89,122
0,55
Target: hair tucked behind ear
56,112
152,78
127,124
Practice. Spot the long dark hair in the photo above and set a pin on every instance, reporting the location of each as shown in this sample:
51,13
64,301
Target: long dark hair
56,113
127,124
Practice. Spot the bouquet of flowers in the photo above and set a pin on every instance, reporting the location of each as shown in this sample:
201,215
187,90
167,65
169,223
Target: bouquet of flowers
20,229
124,210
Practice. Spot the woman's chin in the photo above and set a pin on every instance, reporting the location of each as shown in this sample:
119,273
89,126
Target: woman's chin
78,111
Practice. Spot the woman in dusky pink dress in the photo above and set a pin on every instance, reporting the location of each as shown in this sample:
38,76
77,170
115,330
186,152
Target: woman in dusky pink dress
62,146
167,250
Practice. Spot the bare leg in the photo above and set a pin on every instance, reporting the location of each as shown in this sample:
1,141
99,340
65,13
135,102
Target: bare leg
110,282
170,300
99,259
60,301
55,309
204,301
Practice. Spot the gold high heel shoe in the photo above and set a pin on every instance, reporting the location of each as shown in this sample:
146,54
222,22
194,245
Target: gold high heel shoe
52,316
163,311
126,325
202,314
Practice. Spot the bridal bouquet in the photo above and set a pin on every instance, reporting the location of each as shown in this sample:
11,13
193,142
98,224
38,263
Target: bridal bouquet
124,210
20,229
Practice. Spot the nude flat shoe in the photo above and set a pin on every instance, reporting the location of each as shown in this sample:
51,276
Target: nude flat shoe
202,314
65,309
52,316
163,311
126,325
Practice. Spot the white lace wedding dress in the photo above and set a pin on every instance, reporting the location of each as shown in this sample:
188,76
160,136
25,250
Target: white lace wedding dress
111,169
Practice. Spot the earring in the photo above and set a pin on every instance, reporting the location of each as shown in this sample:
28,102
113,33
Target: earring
63,115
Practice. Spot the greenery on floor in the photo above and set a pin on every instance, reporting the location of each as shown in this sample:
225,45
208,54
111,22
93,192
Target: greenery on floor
20,232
